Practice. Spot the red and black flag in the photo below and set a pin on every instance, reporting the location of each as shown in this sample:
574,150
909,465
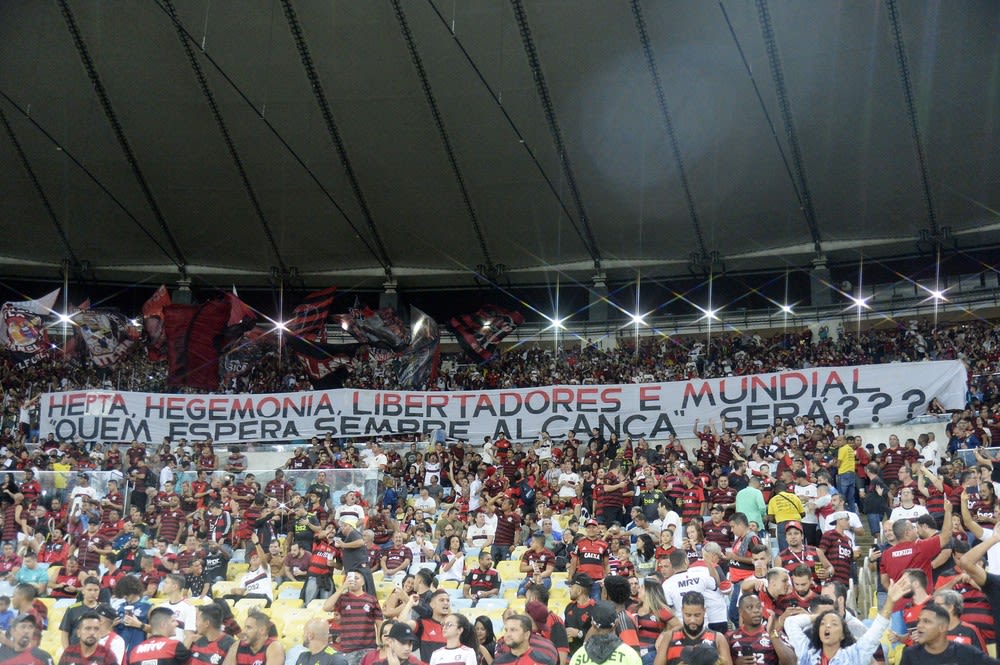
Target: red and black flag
480,334
22,329
310,317
327,365
194,340
152,323
381,328
419,362
104,335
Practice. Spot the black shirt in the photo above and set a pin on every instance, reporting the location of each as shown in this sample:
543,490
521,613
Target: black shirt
954,654
325,657
72,618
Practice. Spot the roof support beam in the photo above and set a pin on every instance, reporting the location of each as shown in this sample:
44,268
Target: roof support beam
911,113
542,88
226,138
778,78
60,231
668,122
331,127
425,84
116,127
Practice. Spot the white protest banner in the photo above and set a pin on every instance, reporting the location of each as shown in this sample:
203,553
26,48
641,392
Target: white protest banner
861,395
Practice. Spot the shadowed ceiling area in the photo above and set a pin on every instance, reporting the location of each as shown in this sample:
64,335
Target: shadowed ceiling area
346,141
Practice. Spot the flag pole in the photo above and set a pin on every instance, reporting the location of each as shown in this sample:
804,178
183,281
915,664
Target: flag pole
65,307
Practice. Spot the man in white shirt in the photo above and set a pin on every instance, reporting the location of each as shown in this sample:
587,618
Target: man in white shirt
425,502
704,579
930,453
476,491
569,482
828,524
82,489
184,612
378,458
543,447
479,534
907,509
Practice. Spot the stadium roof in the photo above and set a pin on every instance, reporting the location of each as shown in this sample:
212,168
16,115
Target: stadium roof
340,139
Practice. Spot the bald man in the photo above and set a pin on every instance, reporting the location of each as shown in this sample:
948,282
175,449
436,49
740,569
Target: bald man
316,639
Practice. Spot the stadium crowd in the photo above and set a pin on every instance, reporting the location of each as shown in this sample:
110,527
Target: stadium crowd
746,550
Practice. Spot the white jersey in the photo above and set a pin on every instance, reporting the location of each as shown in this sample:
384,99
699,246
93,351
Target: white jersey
115,644
461,655
258,582
900,513
992,554
696,578
184,615
573,481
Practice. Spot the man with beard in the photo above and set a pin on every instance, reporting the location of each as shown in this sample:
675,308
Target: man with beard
88,650
517,639
213,646
932,646
749,642
670,646
604,645
22,636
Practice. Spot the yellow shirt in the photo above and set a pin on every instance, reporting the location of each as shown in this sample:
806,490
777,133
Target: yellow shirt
785,506
845,455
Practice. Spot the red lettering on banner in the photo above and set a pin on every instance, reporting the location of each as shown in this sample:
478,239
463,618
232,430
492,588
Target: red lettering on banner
652,393
586,397
439,402
610,397
564,397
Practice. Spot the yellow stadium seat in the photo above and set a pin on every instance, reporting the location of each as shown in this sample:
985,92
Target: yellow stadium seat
450,584
509,570
510,594
471,561
518,604
315,605
560,577
287,604
378,576
236,569
53,572
470,612
48,602
518,552
220,589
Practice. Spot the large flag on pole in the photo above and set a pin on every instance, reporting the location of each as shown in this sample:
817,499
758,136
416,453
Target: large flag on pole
194,340
480,334
22,328
419,362
309,318
152,322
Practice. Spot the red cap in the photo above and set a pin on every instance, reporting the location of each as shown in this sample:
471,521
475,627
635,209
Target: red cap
591,522
794,524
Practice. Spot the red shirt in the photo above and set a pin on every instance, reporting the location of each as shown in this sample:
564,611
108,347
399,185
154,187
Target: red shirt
914,554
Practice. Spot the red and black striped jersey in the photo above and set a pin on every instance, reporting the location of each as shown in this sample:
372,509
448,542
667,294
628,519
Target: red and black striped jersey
159,651
211,652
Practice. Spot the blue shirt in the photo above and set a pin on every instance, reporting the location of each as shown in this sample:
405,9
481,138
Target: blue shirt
132,636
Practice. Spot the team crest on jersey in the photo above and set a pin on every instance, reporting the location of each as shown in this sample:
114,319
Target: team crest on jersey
475,576
367,608
765,642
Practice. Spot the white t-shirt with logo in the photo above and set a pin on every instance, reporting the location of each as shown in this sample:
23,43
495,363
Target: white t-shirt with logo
568,491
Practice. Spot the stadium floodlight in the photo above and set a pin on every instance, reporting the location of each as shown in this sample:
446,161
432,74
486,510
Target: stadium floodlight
860,303
938,295
638,319
65,318
281,325
786,309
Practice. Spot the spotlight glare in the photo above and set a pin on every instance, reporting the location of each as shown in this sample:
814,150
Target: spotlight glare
787,309
638,319
280,325
938,295
65,318
556,322
710,314
860,303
